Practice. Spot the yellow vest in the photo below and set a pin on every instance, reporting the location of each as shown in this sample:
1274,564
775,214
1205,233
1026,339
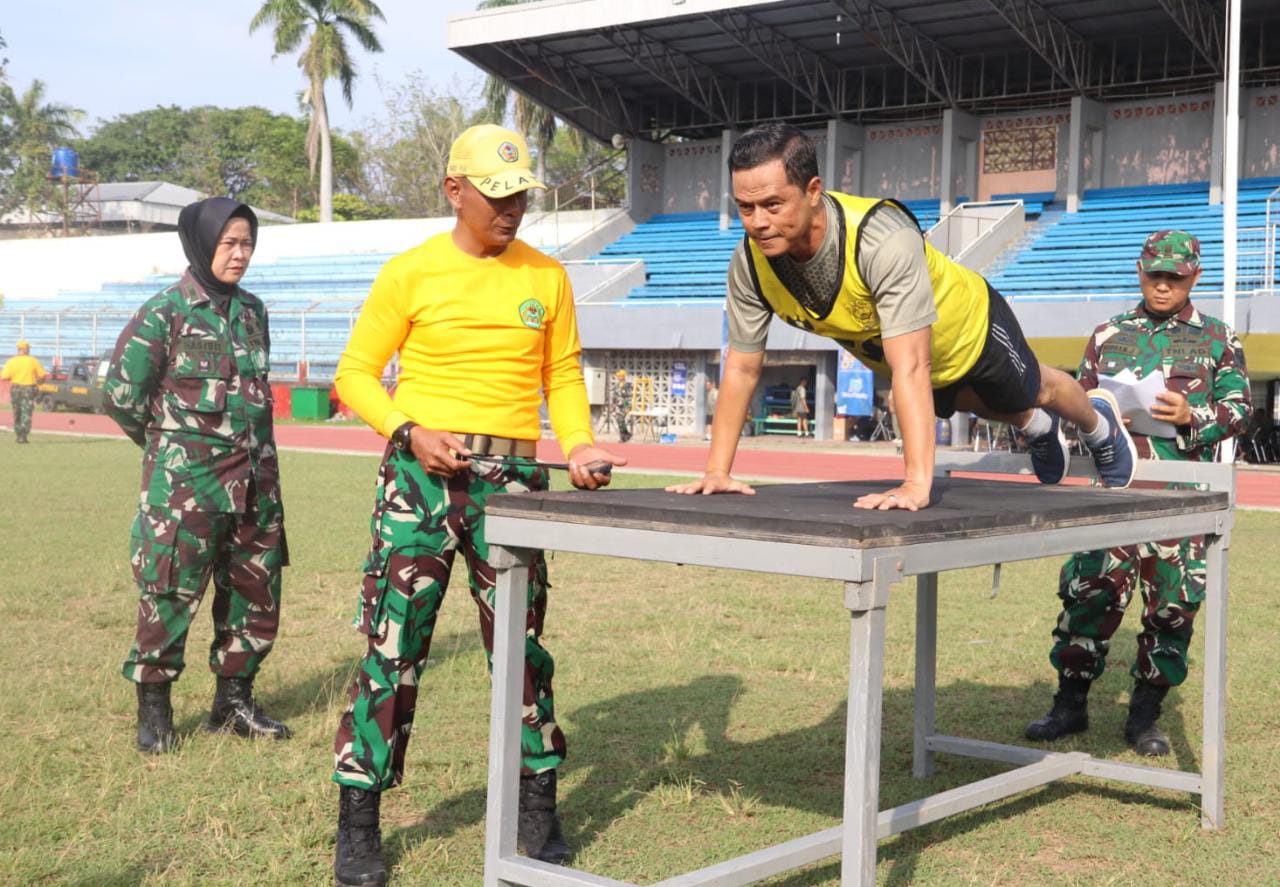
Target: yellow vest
959,294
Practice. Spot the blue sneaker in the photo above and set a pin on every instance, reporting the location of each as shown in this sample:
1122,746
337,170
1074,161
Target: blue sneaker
1116,458
1050,455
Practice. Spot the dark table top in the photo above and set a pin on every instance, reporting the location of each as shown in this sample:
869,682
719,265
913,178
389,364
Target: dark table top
822,513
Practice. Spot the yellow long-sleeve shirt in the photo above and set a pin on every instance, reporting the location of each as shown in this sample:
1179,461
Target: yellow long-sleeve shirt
477,339
22,369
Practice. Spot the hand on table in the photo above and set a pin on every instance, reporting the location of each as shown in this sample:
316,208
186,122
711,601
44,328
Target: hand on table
710,483
908,495
585,464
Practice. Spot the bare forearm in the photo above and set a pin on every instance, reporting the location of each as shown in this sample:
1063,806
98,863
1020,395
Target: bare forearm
913,394
736,388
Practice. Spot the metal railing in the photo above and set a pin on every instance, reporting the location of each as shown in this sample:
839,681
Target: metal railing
305,343
975,233
579,191
1271,224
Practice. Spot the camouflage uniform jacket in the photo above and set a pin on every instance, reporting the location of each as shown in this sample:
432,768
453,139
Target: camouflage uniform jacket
1200,356
189,385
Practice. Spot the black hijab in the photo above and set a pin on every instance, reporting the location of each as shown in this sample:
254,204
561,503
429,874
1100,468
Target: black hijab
200,225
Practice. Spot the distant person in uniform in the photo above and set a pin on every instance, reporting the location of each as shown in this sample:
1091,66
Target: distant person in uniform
24,373
484,325
712,395
188,384
858,270
1206,401
622,405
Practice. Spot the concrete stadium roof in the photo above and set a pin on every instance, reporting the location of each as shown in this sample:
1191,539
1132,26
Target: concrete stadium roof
652,68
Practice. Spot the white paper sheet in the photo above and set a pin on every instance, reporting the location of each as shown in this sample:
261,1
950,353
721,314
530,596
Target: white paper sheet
1136,397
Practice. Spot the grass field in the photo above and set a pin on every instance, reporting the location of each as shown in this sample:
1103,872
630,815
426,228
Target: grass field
704,712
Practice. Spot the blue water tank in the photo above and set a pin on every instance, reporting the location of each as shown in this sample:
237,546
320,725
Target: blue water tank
66,163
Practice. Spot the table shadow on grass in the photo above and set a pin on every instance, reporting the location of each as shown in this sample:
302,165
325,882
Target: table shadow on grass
613,766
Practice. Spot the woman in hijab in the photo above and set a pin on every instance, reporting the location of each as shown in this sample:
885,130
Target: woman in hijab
188,384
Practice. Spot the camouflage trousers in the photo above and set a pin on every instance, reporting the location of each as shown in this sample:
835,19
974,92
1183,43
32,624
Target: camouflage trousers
419,523
23,399
174,554
1096,587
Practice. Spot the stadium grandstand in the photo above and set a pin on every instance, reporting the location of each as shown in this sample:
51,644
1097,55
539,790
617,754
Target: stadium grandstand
1037,141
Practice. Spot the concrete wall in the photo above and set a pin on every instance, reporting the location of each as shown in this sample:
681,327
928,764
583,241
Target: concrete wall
903,161
39,268
1149,142
1026,181
1158,141
1261,133
691,177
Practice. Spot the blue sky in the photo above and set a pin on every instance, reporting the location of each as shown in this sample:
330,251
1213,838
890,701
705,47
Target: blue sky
111,57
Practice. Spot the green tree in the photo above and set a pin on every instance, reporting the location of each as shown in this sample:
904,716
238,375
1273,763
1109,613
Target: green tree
586,171
32,127
348,208
535,123
250,154
323,26
406,150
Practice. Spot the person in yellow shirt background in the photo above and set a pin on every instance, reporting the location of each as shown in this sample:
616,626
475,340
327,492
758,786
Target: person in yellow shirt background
483,323
25,373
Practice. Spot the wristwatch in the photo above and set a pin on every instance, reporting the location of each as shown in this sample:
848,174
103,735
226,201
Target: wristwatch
400,438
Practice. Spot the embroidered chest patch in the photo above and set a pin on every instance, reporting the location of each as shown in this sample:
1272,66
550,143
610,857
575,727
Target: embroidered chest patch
532,313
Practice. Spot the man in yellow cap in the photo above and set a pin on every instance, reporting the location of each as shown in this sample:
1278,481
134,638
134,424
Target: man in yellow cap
25,372
484,323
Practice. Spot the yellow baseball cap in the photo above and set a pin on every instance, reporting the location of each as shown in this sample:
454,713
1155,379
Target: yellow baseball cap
23,343
494,159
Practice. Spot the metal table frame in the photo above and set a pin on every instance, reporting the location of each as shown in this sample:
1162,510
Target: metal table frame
867,575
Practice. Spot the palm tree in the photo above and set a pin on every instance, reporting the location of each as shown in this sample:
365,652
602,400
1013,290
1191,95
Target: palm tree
535,122
323,26
31,126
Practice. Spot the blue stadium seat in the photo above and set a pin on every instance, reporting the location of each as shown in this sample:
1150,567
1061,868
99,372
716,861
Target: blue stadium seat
1094,251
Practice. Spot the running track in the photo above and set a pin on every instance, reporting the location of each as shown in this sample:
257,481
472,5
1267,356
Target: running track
1257,488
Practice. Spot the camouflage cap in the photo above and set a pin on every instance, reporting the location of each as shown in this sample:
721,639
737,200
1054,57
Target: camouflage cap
1174,252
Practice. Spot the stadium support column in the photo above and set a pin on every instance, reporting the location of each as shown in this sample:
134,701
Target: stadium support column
959,156
727,211
1087,119
644,178
699,382
1217,151
824,395
842,162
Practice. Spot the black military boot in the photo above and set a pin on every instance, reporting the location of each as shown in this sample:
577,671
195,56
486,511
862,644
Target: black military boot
357,859
155,718
235,711
1140,729
538,834
1070,712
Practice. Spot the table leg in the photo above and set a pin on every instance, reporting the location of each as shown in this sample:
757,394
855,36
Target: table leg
1215,681
926,671
862,749
510,605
